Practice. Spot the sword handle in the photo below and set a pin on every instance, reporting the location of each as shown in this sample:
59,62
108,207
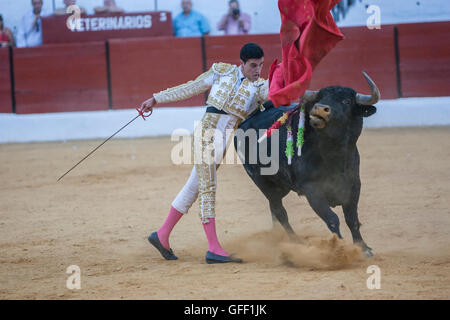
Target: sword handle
143,114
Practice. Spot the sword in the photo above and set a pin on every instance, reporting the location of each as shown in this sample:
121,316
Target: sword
141,114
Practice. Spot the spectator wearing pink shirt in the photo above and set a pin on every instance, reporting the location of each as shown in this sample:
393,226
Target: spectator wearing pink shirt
235,21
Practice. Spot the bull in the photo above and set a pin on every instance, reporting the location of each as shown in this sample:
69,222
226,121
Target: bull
327,172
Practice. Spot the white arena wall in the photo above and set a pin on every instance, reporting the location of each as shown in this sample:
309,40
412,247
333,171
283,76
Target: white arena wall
404,112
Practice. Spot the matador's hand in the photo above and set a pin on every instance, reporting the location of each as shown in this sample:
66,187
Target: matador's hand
147,105
146,108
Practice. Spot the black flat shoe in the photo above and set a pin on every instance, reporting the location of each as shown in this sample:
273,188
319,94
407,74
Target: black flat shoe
215,258
167,254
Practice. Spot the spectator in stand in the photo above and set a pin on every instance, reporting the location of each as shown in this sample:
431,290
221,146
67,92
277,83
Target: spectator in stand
235,21
109,6
190,23
30,28
6,36
67,3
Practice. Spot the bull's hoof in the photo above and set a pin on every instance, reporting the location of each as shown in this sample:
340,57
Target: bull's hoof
293,237
368,253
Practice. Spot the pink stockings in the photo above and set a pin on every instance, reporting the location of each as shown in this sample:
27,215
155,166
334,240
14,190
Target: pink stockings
210,231
170,222
213,243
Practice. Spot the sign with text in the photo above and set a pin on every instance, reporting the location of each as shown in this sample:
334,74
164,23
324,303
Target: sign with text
100,27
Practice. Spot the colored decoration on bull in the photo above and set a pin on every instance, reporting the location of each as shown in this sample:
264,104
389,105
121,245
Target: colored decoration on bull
301,130
277,125
289,145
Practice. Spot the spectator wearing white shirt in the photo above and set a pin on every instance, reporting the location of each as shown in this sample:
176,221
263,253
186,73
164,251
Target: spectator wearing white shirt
30,28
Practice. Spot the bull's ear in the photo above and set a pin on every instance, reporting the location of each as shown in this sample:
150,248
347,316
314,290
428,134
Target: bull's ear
365,111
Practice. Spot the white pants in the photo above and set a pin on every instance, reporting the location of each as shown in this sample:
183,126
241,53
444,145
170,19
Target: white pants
203,178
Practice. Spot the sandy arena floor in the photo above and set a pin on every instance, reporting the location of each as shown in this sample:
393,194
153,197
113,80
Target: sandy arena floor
99,216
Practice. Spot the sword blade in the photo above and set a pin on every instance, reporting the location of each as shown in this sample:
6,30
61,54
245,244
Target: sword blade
98,147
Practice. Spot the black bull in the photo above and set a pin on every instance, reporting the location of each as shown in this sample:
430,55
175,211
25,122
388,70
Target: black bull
327,172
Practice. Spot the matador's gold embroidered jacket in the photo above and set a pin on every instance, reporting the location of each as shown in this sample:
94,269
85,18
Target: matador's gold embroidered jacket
222,79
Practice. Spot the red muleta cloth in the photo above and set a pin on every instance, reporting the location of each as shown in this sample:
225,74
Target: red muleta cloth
308,32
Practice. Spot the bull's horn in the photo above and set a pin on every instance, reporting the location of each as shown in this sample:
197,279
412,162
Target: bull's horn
310,95
368,100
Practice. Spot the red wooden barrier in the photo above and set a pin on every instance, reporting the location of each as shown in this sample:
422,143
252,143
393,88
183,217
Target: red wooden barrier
5,82
73,77
141,67
372,51
425,59
60,78
227,49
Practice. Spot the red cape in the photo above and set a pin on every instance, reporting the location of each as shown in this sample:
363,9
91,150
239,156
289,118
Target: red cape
308,32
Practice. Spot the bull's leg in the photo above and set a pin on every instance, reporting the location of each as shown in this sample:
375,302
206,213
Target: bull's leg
279,214
274,193
319,204
351,218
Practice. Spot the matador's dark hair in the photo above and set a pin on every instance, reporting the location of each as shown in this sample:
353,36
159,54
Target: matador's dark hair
251,51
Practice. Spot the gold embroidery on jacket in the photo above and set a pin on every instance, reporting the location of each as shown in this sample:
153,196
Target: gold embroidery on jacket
244,92
226,86
220,97
185,91
263,92
223,68
248,97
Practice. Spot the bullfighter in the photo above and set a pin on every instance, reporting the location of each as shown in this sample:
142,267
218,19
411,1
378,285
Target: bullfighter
236,91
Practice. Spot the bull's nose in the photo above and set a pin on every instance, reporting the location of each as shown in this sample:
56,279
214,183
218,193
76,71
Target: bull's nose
322,110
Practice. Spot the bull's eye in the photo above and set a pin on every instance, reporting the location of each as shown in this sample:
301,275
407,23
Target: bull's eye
347,101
